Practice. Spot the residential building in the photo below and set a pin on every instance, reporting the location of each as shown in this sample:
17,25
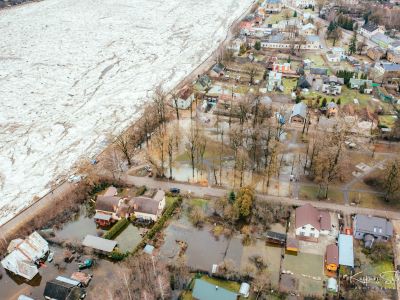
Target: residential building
305,81
274,81
346,251
332,258
218,70
333,58
202,83
184,98
386,71
292,245
376,53
393,56
304,3
110,209
204,290
25,255
332,85
308,29
382,40
273,6
339,52
311,222
369,29
99,244
356,83
369,229
60,290
319,71
313,42
299,113
278,41
281,67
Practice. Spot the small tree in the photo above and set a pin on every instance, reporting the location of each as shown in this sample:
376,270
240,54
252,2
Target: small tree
257,45
353,43
295,14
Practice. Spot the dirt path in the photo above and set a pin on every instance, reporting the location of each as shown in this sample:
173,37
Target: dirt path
219,192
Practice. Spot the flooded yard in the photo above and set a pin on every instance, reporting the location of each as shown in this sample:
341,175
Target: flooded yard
12,286
203,249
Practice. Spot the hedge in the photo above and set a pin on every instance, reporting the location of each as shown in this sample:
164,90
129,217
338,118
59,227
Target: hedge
159,224
117,228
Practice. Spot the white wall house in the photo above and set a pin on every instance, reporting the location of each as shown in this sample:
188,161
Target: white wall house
307,230
304,3
311,222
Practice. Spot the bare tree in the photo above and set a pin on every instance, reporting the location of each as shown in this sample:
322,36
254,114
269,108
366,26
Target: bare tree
192,144
122,143
159,99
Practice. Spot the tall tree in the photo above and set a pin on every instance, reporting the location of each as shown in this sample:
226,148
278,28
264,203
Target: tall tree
392,179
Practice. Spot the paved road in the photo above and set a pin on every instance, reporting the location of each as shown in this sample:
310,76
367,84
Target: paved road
219,192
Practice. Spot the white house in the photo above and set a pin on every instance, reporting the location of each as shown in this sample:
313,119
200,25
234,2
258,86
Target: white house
24,255
369,29
304,3
339,52
333,58
311,222
184,99
274,81
308,29
149,208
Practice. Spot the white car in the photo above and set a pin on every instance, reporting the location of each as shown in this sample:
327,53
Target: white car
75,178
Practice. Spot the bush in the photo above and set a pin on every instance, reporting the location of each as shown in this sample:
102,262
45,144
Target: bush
379,252
141,190
117,255
117,228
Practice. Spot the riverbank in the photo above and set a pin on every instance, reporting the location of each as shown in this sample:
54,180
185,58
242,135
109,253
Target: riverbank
12,227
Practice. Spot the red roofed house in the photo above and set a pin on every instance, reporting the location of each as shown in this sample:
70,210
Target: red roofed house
311,222
332,258
245,27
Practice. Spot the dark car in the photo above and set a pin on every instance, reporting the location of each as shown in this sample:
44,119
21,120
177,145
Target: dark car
175,190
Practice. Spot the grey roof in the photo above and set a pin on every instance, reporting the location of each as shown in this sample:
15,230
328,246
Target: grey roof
346,253
218,68
305,81
356,81
274,1
99,243
204,290
373,225
145,205
277,38
312,38
107,203
59,290
102,216
370,27
319,71
332,105
299,109
380,37
389,67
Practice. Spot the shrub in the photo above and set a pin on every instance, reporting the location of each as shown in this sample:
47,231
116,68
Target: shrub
116,254
141,190
117,228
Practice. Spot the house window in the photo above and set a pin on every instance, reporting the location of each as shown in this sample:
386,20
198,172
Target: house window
304,227
312,229
302,233
312,234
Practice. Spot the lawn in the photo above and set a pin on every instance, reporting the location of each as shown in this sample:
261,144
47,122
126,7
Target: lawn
335,195
347,96
308,265
275,18
387,120
169,201
289,84
317,60
198,202
372,200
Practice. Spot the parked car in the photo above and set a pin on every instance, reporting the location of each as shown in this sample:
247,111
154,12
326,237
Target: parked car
87,263
175,190
50,257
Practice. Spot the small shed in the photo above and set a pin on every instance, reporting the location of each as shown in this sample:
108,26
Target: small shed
346,254
292,245
331,285
99,244
332,258
244,289
148,249
275,237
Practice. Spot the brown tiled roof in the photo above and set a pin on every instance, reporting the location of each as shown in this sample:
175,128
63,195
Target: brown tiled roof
107,203
332,254
145,205
308,214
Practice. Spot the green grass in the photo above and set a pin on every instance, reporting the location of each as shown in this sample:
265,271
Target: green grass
386,270
347,96
198,202
317,60
169,201
229,285
289,84
387,120
311,192
275,18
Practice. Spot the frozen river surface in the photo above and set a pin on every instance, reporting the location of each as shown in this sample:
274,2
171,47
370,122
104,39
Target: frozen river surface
73,72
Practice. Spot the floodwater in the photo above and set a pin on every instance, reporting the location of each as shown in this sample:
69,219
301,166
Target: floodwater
203,249
77,229
11,286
